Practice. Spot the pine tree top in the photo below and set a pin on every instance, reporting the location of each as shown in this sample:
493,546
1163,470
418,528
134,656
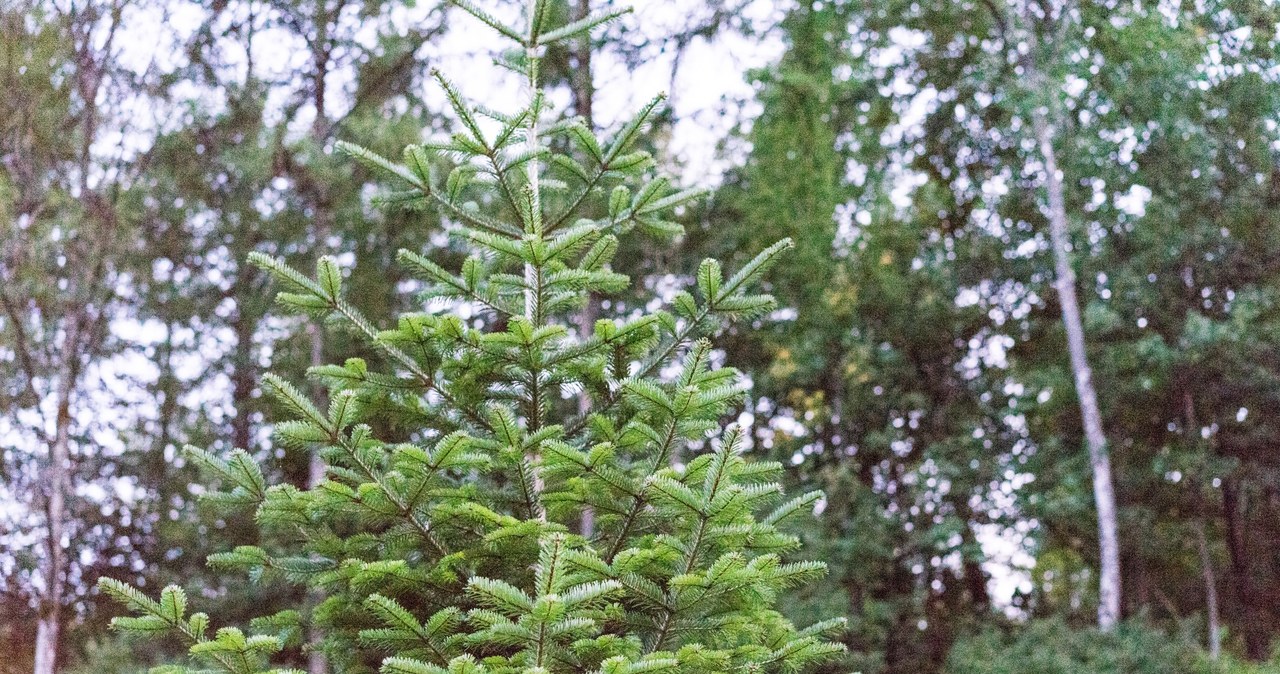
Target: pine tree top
448,534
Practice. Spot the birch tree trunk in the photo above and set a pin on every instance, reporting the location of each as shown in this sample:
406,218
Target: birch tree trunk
1099,456
49,624
56,483
1065,284
91,32
316,661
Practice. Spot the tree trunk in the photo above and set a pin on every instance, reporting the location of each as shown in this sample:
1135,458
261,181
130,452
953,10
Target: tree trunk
1091,417
586,323
242,376
56,482
1252,627
1210,593
1190,431
1096,440
581,80
583,90
315,464
322,207
975,578
316,661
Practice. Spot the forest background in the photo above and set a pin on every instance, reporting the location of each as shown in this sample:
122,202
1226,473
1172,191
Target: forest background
950,172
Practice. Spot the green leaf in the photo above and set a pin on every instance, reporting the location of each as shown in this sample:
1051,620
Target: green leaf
501,595
198,624
409,666
619,199
586,141
629,133
291,278
463,111
600,254
293,400
147,624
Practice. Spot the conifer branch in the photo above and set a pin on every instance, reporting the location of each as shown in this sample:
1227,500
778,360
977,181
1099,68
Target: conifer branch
639,502
585,25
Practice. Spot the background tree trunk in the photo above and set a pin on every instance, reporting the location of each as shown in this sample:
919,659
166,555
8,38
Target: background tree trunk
1210,594
322,209
1090,415
583,90
56,484
1096,440
1235,510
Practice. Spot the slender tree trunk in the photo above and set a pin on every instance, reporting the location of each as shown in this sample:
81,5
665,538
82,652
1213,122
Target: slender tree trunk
242,376
1252,627
1099,457
322,209
316,661
91,30
315,464
1202,544
586,323
581,79
56,482
49,623
583,90
1091,417
975,578
1210,593
532,302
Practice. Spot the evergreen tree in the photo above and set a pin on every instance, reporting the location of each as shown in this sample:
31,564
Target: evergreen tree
443,534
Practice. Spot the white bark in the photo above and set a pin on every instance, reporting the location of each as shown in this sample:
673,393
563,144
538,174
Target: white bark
315,464
47,629
56,481
531,167
1065,283
1096,440
317,663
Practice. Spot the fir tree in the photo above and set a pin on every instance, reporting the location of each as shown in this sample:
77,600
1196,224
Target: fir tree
444,535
